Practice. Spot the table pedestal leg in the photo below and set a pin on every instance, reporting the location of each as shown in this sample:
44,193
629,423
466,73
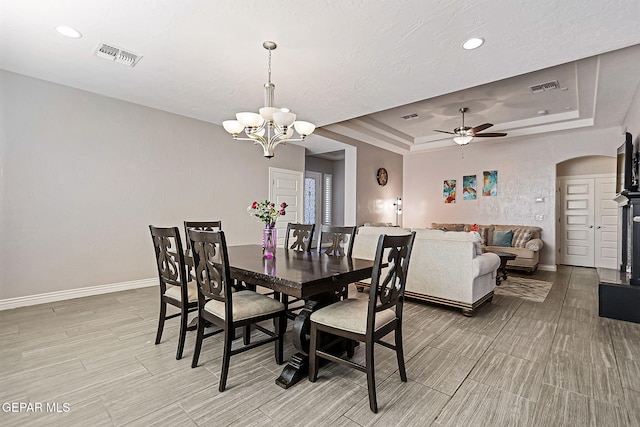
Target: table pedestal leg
298,366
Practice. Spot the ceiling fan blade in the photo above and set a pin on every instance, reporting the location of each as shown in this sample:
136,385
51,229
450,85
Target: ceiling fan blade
444,131
481,127
488,135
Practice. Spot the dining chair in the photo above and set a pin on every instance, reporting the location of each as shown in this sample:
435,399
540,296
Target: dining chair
336,241
303,235
175,288
369,320
219,305
202,226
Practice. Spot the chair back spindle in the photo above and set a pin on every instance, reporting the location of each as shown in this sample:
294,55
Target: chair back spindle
211,265
169,256
303,235
336,241
201,226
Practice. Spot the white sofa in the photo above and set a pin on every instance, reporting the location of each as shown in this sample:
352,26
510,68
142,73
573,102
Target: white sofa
445,267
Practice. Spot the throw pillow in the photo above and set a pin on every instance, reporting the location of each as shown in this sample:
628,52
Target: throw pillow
502,238
534,245
520,237
477,248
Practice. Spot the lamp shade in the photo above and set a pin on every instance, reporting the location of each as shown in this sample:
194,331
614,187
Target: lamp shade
234,127
284,118
267,112
304,128
249,119
289,133
462,140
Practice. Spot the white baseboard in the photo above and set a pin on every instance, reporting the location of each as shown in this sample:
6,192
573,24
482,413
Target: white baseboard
547,267
8,304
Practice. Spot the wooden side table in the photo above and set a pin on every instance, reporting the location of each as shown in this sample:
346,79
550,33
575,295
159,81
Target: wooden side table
502,270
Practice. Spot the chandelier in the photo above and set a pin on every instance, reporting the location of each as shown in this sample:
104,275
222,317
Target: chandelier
273,125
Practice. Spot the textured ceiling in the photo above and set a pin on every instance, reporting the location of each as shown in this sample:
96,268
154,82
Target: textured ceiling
336,60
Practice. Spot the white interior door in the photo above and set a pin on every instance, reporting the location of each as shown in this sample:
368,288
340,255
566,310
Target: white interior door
576,222
287,186
606,223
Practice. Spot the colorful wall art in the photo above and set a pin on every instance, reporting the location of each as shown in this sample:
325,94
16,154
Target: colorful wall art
449,191
469,187
490,187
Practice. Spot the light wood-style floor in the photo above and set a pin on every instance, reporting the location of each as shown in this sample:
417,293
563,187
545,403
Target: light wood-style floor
515,363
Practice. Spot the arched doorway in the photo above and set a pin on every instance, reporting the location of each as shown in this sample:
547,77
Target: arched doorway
587,233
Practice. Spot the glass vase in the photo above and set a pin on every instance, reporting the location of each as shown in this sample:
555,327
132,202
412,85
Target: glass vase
269,239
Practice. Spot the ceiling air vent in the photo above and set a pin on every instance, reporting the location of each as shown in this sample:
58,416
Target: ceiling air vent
410,116
543,87
116,54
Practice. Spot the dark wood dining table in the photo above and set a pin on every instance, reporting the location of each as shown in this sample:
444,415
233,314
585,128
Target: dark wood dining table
315,277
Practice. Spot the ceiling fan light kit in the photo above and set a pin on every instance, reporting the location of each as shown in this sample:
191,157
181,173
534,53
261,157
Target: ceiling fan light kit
277,123
465,134
462,140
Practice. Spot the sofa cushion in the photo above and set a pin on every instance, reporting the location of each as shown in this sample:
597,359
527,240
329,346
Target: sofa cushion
534,244
502,238
520,237
447,227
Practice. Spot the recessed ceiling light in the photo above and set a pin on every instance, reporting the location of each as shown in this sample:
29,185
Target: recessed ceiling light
473,43
542,112
68,32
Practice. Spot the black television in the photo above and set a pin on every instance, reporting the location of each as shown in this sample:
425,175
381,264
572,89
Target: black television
627,177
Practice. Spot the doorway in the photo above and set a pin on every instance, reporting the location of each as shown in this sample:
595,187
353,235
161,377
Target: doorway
286,186
588,221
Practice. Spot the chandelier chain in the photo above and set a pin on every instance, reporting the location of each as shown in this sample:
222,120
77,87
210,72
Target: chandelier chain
269,69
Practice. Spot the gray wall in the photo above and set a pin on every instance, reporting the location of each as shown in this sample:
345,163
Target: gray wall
631,122
338,193
84,175
374,203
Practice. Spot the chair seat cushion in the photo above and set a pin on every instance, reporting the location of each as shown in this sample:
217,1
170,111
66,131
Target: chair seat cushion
174,292
351,315
246,304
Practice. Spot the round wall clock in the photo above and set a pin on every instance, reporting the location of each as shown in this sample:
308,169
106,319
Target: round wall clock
382,176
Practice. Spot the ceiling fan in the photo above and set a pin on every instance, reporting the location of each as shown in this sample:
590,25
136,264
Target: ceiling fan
464,134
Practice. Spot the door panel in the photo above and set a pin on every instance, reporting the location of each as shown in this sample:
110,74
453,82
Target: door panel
577,246
286,186
606,221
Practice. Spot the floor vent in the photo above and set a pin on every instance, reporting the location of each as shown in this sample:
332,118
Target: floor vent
543,87
410,116
116,54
